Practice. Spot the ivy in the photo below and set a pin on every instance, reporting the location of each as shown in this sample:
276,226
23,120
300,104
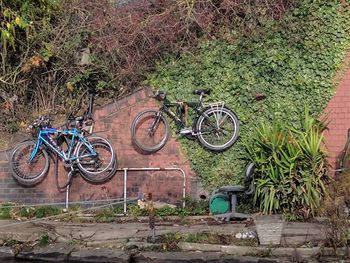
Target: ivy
287,64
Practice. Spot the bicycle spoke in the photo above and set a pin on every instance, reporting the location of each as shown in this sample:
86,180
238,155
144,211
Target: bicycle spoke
223,119
149,131
23,168
217,128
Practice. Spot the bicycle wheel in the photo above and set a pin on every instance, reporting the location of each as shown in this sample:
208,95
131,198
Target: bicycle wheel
217,128
101,167
149,131
28,173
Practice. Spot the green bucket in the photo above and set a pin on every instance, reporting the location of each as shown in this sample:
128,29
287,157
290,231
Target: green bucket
219,203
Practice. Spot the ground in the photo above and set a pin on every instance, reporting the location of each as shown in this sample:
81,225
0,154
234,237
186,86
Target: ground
128,239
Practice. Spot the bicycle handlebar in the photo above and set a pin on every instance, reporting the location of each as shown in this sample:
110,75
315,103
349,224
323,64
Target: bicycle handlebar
41,122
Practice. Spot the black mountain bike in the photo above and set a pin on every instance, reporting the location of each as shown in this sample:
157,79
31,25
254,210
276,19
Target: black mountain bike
215,126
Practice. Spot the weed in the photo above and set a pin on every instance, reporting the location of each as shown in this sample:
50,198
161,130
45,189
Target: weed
266,253
170,240
336,225
12,242
5,211
44,240
134,210
292,217
197,237
153,248
106,215
74,242
45,211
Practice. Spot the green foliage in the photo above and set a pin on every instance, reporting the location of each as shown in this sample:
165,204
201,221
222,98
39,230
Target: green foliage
44,240
41,52
192,208
5,211
288,63
291,167
107,215
45,211
19,16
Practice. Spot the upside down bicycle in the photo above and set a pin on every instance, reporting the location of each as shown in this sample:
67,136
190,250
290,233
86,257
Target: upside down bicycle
92,156
215,126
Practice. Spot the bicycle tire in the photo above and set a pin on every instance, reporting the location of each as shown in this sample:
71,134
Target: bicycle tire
21,172
343,159
224,121
100,168
149,131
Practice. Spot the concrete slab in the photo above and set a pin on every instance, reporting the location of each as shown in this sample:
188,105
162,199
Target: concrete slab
51,253
95,255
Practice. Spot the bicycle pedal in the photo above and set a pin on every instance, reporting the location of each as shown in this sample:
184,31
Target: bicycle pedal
185,131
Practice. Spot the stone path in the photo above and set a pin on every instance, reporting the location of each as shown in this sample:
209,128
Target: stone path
106,242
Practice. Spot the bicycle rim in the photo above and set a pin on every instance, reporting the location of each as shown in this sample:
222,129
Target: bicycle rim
25,172
100,167
150,131
217,129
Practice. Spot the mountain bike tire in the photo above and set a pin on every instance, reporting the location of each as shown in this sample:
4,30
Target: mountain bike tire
217,128
25,173
100,168
149,131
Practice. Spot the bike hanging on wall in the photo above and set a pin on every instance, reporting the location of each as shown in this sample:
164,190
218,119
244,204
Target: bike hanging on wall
215,126
81,151
92,156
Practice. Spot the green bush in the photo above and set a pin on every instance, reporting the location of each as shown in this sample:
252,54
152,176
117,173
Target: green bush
47,211
291,167
288,63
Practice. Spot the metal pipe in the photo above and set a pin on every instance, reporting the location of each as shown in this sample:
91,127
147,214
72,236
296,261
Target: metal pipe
125,170
67,190
125,178
154,169
183,184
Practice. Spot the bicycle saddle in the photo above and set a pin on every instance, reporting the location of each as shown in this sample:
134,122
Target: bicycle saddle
201,91
158,94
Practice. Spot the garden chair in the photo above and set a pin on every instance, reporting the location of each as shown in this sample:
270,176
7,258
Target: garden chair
223,202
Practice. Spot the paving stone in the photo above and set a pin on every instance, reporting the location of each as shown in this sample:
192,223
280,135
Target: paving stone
95,255
22,232
6,252
186,246
116,235
52,253
141,245
235,259
294,241
117,243
176,257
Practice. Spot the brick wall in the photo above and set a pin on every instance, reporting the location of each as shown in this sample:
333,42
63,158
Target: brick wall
113,121
338,115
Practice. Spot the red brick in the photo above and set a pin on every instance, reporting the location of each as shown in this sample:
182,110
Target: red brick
338,111
115,121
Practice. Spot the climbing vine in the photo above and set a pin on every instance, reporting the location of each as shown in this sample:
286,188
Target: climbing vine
273,73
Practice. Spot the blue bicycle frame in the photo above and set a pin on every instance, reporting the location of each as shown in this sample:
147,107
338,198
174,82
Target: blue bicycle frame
44,137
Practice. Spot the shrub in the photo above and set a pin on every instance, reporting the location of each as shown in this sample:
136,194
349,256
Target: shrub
269,74
291,167
51,51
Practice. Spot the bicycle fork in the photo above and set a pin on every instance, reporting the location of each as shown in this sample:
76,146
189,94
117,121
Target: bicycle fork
155,124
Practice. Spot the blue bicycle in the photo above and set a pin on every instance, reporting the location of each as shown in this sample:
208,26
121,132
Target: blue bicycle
91,155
